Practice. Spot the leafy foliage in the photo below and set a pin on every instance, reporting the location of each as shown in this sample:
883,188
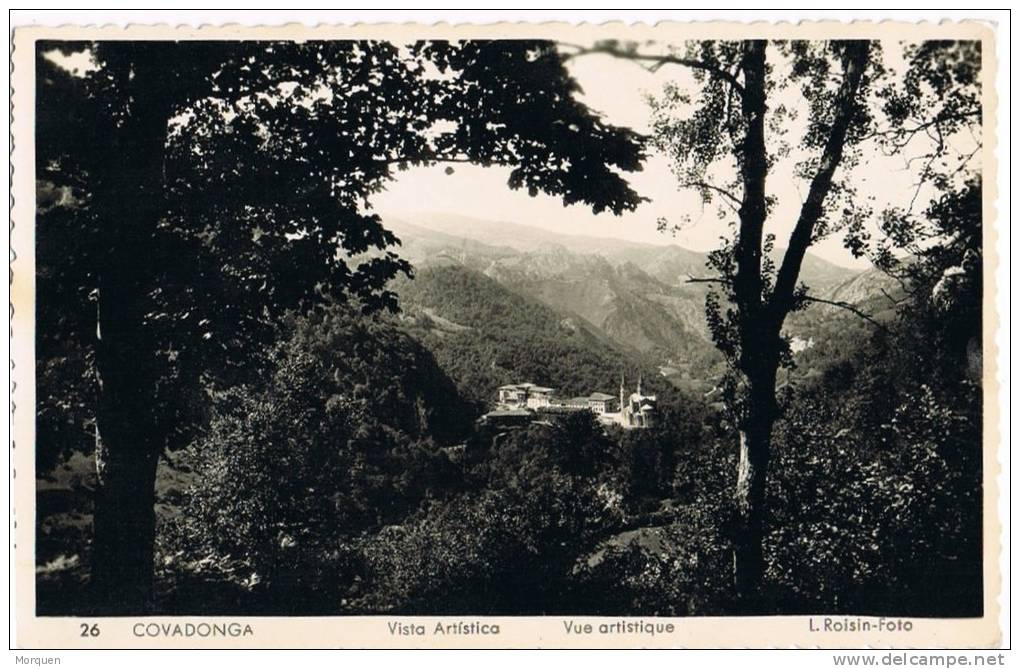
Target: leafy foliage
507,550
338,439
199,190
307,498
687,575
875,496
306,492
882,459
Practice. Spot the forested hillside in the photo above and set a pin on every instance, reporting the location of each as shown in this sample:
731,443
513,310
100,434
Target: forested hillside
485,335
336,482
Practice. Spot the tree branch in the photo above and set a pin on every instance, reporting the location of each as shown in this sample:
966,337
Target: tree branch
699,279
854,62
411,160
899,137
734,201
657,60
847,306
892,299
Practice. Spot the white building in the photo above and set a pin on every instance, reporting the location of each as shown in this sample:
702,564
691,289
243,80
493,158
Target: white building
636,410
524,395
601,403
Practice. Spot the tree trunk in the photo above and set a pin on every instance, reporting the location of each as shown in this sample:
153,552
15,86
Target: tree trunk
748,560
760,321
124,523
759,340
127,451
129,435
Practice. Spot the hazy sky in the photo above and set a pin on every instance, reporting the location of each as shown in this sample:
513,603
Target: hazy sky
617,89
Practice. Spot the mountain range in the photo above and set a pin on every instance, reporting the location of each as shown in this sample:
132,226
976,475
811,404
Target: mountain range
630,297
465,237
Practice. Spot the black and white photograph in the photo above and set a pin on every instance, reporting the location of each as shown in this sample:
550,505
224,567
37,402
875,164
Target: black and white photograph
575,322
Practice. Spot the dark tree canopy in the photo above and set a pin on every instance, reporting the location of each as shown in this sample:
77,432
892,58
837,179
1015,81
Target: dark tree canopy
194,192
265,158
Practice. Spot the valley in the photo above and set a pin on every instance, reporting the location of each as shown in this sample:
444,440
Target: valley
632,302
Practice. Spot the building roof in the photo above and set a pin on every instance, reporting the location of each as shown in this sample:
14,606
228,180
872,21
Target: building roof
522,386
530,387
499,413
601,397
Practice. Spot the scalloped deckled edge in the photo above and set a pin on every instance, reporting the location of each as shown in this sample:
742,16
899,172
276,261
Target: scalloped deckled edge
702,29
30,628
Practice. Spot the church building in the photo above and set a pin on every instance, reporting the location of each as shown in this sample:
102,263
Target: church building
636,410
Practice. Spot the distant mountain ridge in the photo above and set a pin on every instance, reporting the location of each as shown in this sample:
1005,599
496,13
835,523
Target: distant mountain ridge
671,264
518,236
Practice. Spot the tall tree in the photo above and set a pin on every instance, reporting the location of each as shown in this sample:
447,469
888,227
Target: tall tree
192,192
723,141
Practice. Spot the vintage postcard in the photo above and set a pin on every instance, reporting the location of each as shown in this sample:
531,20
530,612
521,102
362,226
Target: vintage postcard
506,336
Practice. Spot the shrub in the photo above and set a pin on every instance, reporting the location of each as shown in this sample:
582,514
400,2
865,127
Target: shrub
507,551
291,470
